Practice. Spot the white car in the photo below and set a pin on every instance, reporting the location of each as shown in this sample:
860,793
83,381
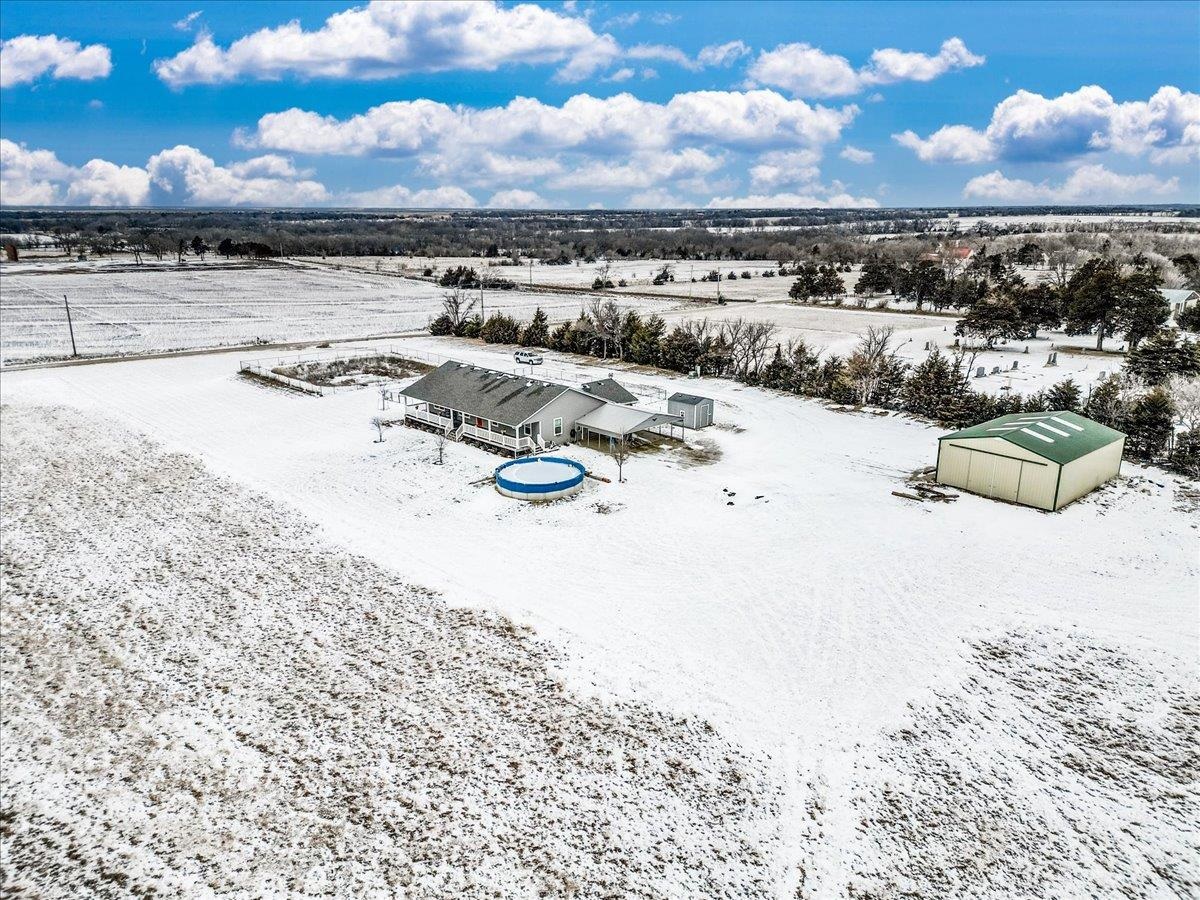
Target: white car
528,357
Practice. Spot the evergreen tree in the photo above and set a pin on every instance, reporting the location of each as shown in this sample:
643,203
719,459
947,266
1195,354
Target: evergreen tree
1065,395
646,346
1150,424
1156,360
537,332
680,350
878,277
560,338
933,389
921,283
1185,454
777,374
500,329
1101,300
1189,319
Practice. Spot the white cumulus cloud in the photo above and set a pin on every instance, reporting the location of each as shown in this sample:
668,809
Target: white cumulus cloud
857,155
39,178
515,198
1087,184
1029,127
386,39
785,167
184,174
759,119
26,58
808,71
794,201
400,197
642,171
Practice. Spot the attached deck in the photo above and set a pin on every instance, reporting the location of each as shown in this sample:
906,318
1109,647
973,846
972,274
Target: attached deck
462,426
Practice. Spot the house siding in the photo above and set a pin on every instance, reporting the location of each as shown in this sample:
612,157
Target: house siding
569,406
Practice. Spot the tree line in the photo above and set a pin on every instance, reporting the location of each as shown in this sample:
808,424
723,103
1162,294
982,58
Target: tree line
1144,402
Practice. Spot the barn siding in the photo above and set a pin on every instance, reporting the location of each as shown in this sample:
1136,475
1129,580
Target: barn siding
994,467
1083,475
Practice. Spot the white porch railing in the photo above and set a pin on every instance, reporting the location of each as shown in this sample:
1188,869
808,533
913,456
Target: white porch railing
421,414
494,437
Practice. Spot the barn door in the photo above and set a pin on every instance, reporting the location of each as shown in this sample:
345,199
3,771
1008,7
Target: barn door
994,476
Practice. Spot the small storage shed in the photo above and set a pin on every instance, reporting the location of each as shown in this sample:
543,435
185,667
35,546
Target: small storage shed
697,412
1045,460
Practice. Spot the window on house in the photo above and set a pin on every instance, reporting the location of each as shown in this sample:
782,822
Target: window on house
558,429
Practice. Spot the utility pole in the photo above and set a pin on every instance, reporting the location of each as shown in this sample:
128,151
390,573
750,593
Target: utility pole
482,308
70,327
530,269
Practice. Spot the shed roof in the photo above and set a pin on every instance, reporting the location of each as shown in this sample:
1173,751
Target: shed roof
493,395
1058,436
689,399
617,421
609,389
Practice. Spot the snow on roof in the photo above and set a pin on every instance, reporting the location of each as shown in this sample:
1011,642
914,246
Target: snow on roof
486,393
609,389
617,421
1176,295
689,399
1058,436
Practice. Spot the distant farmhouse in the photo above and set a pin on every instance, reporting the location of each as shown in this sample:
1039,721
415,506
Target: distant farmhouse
520,414
1045,460
1179,299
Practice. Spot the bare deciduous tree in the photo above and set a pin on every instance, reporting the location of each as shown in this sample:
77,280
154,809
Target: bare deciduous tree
457,306
377,422
620,453
606,318
1185,394
870,360
440,443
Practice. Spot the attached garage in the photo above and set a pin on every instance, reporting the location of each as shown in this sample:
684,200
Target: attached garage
1045,460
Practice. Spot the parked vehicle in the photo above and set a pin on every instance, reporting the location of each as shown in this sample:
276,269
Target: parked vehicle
528,357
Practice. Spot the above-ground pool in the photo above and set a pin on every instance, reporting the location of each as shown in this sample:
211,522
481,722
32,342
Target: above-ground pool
539,477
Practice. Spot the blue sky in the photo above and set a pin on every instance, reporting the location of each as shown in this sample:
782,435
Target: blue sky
628,104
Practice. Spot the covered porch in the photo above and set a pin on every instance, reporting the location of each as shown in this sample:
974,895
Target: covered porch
612,423
460,425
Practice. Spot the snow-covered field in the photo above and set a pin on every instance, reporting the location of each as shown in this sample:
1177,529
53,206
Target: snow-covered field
128,309
966,699
120,309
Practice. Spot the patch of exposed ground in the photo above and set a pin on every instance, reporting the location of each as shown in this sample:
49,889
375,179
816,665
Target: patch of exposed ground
352,370
1059,768
700,452
202,698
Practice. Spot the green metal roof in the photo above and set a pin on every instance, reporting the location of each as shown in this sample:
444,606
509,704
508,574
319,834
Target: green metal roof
1058,436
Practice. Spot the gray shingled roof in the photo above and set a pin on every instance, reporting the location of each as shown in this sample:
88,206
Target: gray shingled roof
497,396
609,389
689,399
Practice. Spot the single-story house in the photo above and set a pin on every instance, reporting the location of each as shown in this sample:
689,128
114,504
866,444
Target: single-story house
1179,299
515,413
1046,460
697,412
609,389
